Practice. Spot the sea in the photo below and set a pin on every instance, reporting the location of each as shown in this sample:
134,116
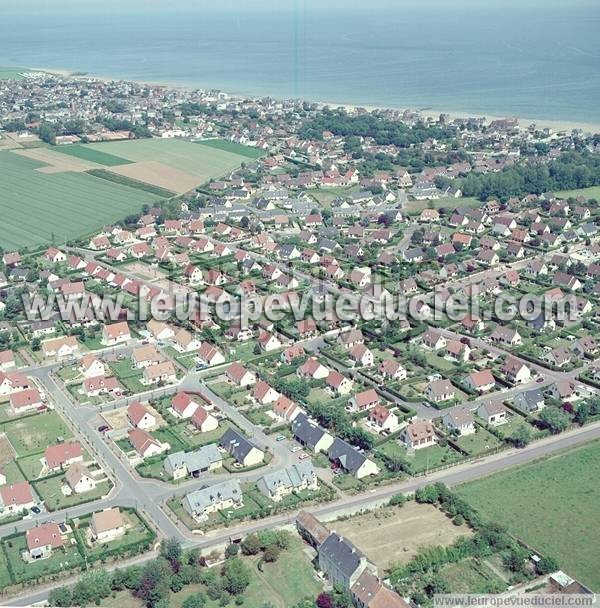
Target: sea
536,59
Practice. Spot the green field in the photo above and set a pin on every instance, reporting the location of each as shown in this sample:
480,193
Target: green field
94,156
37,207
234,148
552,505
465,201
200,161
593,192
34,434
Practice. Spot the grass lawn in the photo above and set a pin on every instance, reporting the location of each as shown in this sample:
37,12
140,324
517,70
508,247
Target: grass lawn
234,148
128,376
551,505
466,201
35,433
593,192
423,459
94,156
326,195
471,576
37,207
49,490
61,559
479,442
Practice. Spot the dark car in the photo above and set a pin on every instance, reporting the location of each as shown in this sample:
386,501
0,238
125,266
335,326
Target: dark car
36,510
103,428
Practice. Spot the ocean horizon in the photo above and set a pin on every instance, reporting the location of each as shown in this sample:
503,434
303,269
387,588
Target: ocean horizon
494,59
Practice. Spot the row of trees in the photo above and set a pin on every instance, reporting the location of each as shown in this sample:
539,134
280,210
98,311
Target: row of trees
570,171
154,581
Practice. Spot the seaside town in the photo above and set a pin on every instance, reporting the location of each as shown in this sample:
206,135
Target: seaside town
293,461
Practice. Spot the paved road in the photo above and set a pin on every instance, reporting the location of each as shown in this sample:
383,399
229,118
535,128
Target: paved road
451,476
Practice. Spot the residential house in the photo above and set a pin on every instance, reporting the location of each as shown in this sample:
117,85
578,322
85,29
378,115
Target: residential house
298,477
309,434
225,495
417,435
107,525
243,451
492,413
459,421
203,460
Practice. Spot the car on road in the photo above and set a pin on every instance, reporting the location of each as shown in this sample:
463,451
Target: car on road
280,437
103,428
36,510
295,448
540,380
303,456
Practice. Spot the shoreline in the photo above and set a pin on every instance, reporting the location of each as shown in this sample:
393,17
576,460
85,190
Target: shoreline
557,125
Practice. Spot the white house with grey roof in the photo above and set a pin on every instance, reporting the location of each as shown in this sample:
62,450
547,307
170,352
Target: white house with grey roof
295,478
341,561
310,434
226,495
240,448
352,461
181,464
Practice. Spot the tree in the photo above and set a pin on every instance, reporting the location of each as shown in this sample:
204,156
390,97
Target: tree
521,436
251,545
547,565
236,576
61,596
272,553
197,600
170,549
427,494
555,420
324,601
397,500
582,414
232,550
154,582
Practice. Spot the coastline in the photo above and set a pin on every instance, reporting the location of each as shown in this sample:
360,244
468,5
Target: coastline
557,125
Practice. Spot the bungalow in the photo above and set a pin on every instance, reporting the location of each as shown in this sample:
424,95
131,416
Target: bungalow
208,355
440,390
459,421
16,498
492,413
91,366
263,393
140,416
26,400
185,342
61,455
203,460
42,540
163,372
183,405
243,451
268,342
239,375
293,352
115,333
361,355
101,385
563,390
350,460
107,525
54,256
506,335
225,495
79,479
365,400
457,351
417,435
488,257
558,357
433,340
204,421
298,477
529,401
350,338
144,444
306,328
193,275
60,348
339,383
313,369
585,347
481,382
392,370
144,356
382,419
285,410
516,371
